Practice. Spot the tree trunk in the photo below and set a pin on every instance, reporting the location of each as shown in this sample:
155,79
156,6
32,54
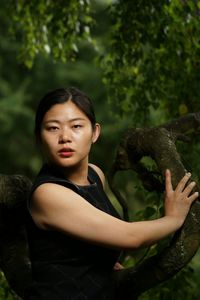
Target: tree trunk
14,258
159,144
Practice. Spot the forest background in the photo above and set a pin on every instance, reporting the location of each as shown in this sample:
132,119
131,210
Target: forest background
139,61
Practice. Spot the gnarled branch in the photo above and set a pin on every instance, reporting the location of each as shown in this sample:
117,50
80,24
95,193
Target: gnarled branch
159,144
14,258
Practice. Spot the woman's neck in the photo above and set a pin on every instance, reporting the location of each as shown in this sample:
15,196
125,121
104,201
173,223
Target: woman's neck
77,174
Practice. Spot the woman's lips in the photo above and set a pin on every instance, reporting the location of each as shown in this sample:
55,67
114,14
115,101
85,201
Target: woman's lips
66,152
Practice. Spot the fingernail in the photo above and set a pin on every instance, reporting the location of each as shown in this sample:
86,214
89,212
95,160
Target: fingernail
197,193
188,174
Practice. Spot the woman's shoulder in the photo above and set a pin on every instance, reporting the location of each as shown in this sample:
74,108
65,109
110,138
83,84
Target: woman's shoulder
49,175
99,173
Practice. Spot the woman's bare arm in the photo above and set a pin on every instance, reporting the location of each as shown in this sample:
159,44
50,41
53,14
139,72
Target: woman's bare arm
56,207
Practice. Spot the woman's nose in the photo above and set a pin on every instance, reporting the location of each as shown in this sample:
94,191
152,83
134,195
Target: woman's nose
65,136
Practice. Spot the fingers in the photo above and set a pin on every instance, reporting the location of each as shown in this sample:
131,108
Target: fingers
181,185
118,266
193,197
168,182
189,188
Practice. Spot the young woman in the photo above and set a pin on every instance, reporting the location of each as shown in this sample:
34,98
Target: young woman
75,234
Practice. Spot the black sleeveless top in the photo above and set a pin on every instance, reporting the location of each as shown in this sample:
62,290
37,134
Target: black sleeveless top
64,267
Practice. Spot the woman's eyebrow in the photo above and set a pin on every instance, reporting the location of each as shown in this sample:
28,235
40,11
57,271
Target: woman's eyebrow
77,119
52,121
70,120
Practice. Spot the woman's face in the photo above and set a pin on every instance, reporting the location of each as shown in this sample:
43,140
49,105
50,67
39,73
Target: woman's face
67,135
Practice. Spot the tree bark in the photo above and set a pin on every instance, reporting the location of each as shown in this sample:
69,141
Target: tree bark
159,144
14,258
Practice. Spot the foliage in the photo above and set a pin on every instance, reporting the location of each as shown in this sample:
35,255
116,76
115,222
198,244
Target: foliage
154,58
5,293
20,95
181,286
50,27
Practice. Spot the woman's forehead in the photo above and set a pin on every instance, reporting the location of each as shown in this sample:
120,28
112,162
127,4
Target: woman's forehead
66,111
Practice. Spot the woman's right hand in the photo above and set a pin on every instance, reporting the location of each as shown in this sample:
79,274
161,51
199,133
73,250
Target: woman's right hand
179,200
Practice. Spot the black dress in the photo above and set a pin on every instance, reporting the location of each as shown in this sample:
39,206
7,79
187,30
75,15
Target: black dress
66,268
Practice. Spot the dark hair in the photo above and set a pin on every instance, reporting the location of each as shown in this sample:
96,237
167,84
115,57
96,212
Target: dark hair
61,95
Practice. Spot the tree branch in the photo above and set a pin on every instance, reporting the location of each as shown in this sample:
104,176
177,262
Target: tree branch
14,258
159,144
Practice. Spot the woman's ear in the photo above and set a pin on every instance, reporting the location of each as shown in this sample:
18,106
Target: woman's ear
96,132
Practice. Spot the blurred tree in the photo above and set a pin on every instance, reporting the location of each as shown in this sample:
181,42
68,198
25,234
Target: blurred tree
20,95
154,58
50,27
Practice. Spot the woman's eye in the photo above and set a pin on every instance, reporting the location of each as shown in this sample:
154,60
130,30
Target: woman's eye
77,126
53,128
